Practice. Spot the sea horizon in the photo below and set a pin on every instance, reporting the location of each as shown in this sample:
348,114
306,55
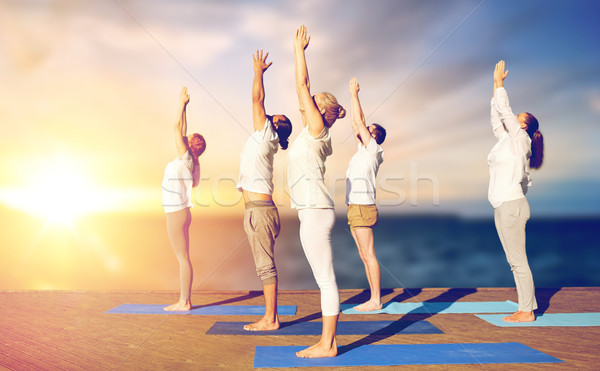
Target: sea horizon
132,252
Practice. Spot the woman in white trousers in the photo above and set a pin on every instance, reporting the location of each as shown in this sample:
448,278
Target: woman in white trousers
520,147
309,195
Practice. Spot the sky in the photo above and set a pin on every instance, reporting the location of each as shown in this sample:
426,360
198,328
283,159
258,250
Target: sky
90,94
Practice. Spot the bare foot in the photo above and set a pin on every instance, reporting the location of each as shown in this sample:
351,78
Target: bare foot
368,306
264,324
319,350
520,316
180,306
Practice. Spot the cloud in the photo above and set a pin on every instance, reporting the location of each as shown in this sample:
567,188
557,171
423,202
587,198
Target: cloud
593,100
101,79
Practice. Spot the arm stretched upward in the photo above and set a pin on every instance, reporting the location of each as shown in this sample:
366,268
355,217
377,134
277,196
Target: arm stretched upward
258,90
311,115
359,128
504,112
180,128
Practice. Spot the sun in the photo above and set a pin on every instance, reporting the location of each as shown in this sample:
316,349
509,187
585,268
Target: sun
58,189
62,196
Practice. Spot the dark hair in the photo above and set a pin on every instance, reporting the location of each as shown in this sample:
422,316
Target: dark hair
537,141
380,133
283,130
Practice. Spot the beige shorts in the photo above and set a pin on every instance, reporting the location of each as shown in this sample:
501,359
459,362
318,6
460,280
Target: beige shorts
362,216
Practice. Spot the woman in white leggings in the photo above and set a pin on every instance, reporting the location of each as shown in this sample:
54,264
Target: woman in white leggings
181,175
308,194
520,147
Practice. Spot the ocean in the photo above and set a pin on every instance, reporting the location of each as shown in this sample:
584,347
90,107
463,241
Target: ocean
132,252
455,252
444,251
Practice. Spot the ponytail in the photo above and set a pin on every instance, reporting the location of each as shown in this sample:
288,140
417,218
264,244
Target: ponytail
284,129
283,143
537,150
537,141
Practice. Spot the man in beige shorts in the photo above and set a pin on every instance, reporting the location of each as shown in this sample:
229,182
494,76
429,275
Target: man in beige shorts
360,194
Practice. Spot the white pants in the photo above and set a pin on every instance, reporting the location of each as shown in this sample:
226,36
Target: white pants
315,236
510,218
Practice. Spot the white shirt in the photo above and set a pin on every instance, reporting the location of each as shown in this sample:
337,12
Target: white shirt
256,161
361,174
509,158
306,171
177,183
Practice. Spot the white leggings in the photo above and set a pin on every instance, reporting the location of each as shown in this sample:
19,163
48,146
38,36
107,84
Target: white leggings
315,236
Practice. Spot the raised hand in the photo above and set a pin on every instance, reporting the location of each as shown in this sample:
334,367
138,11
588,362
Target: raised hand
260,61
302,39
499,73
354,87
184,97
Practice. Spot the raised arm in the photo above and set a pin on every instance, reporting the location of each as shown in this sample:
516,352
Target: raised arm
501,104
180,128
258,90
359,128
497,125
311,115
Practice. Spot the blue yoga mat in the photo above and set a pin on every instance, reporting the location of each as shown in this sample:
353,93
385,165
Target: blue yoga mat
548,319
343,328
217,310
404,354
439,307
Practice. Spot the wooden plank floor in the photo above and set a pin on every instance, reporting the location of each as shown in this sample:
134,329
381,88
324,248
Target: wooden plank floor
70,330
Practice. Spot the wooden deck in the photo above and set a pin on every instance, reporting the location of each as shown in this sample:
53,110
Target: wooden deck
70,330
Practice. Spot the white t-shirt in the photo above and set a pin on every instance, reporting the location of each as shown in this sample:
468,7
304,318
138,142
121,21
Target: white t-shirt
361,174
256,161
177,183
509,158
306,171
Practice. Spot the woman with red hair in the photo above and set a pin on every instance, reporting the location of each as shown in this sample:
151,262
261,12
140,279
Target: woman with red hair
180,176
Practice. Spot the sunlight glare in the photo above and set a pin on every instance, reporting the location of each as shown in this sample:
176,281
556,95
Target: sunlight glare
59,190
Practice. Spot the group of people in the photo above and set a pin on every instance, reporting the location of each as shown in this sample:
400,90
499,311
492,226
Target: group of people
519,147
